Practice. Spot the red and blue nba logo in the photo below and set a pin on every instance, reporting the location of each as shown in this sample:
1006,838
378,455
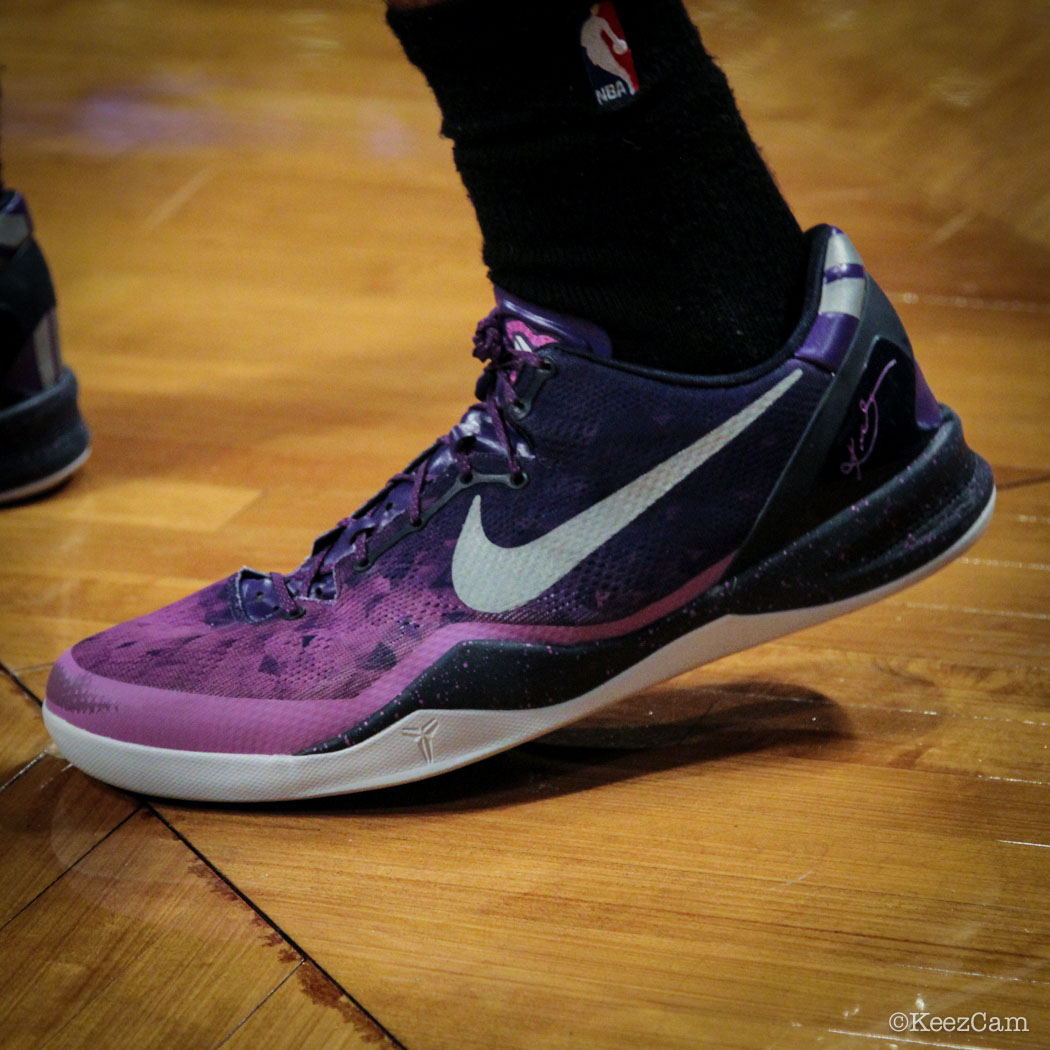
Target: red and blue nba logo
607,56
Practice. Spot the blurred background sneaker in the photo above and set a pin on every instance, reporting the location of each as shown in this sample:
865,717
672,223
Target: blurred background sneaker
42,436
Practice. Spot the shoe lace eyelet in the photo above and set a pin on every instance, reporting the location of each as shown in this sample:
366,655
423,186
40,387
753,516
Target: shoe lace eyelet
518,479
467,477
294,614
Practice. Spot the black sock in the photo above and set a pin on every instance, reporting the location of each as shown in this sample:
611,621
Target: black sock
649,213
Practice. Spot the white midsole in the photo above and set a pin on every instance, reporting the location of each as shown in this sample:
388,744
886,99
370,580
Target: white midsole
428,742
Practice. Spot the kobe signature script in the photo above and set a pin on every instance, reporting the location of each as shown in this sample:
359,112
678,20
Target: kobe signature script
861,447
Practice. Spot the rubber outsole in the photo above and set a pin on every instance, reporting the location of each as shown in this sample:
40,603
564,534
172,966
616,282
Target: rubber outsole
427,742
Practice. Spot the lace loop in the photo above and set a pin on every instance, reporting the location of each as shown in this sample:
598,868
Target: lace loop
285,599
504,358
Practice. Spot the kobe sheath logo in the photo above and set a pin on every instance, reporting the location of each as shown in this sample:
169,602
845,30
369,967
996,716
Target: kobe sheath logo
607,55
493,579
862,446
424,736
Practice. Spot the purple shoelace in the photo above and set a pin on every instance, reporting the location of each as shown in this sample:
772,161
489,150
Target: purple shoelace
503,358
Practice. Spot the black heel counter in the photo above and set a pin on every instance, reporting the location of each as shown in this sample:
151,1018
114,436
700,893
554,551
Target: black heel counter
874,419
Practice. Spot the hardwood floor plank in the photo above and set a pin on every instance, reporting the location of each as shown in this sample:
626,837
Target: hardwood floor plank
50,817
781,702
946,107
139,944
308,1012
186,506
23,737
545,884
1005,410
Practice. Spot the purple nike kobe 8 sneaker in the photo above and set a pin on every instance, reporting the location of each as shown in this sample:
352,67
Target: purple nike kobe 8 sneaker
588,528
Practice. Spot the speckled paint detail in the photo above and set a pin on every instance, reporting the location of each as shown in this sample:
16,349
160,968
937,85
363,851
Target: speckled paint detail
372,627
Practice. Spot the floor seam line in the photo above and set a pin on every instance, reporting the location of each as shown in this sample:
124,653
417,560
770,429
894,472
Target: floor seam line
292,942
58,878
261,1003
1008,486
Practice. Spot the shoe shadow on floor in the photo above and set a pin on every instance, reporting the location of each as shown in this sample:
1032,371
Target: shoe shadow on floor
667,727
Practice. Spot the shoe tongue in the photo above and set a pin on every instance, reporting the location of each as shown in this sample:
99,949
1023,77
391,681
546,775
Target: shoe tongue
539,326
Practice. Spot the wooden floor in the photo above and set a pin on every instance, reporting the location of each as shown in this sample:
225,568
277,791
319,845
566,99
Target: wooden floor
268,276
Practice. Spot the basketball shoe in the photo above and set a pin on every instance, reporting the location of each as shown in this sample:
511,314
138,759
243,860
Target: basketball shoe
42,437
587,529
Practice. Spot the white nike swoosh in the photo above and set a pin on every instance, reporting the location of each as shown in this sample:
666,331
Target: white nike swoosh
494,579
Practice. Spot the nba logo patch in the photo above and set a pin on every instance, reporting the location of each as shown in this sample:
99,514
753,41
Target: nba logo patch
607,56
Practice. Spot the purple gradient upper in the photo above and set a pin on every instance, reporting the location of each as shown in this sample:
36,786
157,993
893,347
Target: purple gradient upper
340,648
